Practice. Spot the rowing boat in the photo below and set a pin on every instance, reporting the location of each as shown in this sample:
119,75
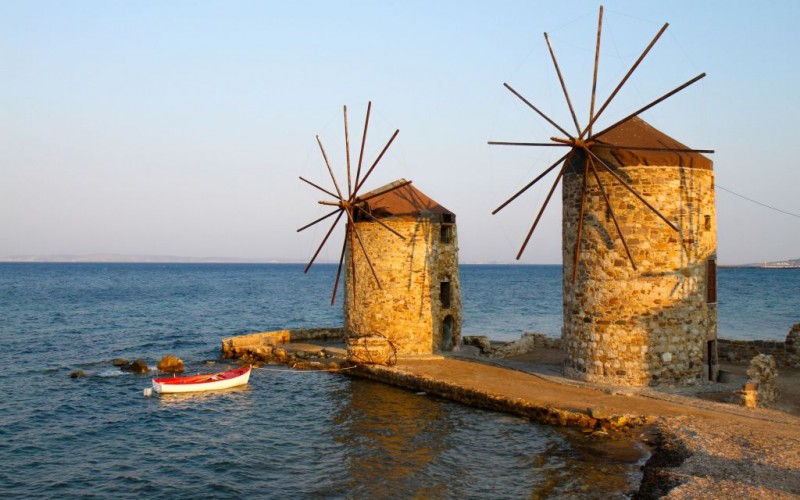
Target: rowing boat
203,382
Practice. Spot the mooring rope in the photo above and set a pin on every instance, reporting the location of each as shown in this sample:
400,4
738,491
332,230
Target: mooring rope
392,359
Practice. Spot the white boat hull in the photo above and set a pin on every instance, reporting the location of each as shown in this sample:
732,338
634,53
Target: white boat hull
165,387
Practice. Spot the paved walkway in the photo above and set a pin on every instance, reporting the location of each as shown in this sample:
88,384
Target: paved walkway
527,387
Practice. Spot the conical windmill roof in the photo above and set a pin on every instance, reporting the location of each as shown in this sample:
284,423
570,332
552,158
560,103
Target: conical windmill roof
636,132
406,202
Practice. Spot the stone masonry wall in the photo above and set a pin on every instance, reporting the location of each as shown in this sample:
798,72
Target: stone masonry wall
651,325
786,353
407,310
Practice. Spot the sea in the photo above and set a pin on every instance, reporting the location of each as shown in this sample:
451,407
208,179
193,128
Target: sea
288,434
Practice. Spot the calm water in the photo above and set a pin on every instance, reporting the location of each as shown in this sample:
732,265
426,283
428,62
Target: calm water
288,434
505,301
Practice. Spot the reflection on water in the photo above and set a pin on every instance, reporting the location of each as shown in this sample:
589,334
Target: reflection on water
187,400
392,436
400,442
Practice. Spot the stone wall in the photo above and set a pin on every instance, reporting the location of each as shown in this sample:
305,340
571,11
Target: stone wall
786,353
236,347
407,309
651,325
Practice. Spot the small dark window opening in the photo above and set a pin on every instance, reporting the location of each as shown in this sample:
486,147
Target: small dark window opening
444,294
708,223
713,360
446,233
447,333
448,218
711,281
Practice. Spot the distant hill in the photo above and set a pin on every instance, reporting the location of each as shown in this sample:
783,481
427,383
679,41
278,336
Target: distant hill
780,264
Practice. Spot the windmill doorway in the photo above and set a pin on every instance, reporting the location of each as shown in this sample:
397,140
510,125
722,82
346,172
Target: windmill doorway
447,333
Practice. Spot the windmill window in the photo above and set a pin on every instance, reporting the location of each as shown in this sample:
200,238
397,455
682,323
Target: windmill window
444,294
448,218
711,281
708,223
446,233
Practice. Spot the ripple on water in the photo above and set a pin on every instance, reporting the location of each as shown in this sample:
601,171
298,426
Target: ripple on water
291,434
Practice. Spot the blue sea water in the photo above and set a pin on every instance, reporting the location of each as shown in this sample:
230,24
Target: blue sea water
504,301
287,434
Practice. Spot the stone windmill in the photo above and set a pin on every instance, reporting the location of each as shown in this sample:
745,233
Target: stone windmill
400,262
638,245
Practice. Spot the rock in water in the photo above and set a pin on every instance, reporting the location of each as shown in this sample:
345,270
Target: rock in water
77,373
170,364
136,366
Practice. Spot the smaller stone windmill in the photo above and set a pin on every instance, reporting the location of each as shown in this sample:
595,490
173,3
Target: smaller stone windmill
400,259
418,305
639,281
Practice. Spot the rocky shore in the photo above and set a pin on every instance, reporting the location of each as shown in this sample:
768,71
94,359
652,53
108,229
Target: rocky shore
696,458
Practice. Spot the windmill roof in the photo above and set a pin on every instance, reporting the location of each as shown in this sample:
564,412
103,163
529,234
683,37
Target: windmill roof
404,202
638,133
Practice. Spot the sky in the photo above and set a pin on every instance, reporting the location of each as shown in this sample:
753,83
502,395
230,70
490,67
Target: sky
181,127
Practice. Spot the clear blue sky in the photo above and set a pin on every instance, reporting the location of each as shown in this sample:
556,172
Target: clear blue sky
180,128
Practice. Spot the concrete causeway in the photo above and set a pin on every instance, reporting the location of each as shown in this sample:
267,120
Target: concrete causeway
532,391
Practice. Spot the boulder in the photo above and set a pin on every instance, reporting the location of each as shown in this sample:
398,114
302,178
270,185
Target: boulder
480,341
526,343
119,362
136,366
761,387
77,373
170,364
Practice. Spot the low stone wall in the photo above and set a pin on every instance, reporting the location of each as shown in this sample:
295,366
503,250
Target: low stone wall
786,353
526,343
264,342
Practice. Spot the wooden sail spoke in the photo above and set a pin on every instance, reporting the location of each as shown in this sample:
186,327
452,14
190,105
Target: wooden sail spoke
544,205
347,154
339,271
318,187
551,122
395,187
625,78
579,235
645,108
330,170
318,220
327,235
544,144
365,212
364,249
351,202
531,183
375,163
611,211
563,85
596,65
363,142
633,191
588,140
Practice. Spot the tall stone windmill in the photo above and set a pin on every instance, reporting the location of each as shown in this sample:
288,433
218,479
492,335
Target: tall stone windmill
400,262
638,245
